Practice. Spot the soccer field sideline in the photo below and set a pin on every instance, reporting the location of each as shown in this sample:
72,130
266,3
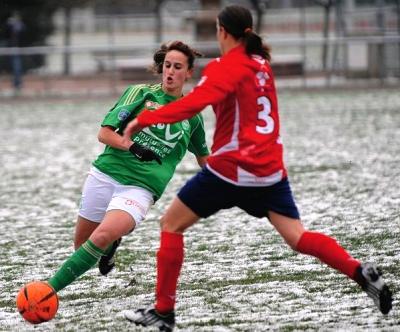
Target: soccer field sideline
342,151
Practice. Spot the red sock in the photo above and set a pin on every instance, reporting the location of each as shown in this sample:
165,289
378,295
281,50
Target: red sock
328,251
169,263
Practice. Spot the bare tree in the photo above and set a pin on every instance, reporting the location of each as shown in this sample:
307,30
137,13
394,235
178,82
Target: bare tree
67,6
259,7
327,4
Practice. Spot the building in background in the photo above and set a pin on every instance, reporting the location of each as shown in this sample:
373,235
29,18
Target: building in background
328,41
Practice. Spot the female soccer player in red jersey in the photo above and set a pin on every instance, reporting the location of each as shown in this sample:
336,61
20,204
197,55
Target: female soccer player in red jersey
245,168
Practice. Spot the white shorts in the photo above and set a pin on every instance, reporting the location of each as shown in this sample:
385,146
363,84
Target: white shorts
101,193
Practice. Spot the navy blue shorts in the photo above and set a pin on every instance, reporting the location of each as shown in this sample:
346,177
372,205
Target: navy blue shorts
205,194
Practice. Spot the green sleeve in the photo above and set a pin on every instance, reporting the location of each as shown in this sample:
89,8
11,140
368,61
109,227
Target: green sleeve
126,108
198,144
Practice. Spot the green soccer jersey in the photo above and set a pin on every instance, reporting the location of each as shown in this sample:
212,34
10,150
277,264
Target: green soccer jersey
168,141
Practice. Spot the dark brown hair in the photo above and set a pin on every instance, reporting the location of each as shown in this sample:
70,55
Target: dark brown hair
159,55
238,22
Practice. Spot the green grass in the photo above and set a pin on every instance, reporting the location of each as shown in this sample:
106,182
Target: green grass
342,156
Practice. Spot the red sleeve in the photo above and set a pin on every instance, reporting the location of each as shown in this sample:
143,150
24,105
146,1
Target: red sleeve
213,87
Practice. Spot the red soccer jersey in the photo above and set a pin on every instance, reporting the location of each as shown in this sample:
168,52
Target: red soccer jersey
246,149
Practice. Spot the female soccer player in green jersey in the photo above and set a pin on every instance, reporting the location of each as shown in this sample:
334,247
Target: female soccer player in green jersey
126,179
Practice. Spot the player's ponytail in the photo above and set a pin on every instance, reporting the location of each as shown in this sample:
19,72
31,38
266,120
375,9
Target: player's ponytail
254,45
238,22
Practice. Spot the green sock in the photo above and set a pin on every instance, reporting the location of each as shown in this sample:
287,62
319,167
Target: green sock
81,261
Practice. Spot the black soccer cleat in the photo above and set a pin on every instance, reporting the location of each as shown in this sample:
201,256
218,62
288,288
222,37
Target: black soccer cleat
369,276
107,262
150,317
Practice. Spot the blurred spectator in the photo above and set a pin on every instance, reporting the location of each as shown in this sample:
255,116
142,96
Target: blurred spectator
14,30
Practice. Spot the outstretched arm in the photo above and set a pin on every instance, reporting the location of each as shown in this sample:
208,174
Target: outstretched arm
213,87
133,127
108,136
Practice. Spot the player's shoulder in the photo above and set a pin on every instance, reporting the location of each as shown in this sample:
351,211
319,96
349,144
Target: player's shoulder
153,87
214,64
138,91
144,87
132,90
220,70
230,63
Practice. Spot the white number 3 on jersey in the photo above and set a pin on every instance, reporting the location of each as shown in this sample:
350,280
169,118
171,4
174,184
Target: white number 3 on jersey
264,116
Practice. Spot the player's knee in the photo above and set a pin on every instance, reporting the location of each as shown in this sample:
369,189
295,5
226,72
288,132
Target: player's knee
101,239
169,226
293,240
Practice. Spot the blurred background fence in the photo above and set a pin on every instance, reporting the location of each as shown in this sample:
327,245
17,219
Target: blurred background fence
83,47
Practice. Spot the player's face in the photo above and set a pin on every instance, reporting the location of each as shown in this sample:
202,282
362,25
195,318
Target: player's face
175,72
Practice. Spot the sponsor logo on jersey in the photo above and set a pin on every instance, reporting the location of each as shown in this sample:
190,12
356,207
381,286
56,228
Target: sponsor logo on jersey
164,134
131,202
161,138
151,105
123,114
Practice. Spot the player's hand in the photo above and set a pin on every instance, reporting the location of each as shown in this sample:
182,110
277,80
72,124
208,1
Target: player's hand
143,153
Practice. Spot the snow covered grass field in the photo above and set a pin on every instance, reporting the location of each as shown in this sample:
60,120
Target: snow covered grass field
342,150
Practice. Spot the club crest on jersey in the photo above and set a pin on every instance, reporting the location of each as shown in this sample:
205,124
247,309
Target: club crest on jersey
185,124
123,114
261,78
151,105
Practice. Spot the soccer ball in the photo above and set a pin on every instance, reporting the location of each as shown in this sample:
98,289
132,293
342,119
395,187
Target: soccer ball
37,302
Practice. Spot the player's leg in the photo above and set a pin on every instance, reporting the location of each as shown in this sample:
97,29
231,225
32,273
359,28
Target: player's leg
119,220
200,197
329,251
96,196
83,229
177,218
313,243
277,203
170,255
284,216
134,200
116,223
